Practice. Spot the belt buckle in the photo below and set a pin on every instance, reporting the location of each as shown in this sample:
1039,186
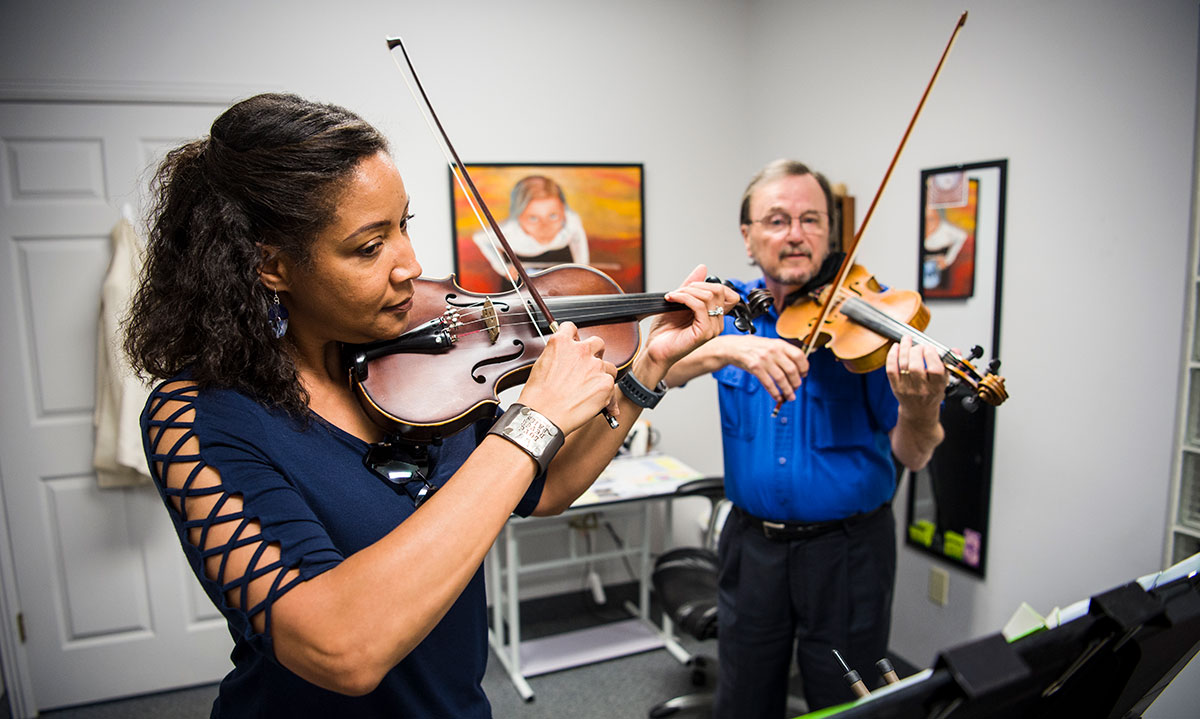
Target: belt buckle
770,528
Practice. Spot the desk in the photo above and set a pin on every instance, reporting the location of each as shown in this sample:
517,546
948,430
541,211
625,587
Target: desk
628,484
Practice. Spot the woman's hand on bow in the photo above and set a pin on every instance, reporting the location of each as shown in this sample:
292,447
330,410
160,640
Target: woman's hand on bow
571,381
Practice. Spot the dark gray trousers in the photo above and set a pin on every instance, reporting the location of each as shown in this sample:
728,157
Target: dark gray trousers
830,592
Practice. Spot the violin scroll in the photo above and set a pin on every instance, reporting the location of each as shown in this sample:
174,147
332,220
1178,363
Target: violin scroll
969,386
757,304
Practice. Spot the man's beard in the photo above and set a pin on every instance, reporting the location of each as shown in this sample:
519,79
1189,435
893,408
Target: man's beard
791,276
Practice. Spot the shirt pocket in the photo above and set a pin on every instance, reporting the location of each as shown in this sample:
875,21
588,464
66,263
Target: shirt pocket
840,418
738,390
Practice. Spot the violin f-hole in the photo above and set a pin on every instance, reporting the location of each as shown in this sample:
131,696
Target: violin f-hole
479,379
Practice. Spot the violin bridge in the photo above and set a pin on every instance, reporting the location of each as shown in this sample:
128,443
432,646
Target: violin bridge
490,319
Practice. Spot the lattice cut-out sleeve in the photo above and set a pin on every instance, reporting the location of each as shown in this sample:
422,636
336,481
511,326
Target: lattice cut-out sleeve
246,530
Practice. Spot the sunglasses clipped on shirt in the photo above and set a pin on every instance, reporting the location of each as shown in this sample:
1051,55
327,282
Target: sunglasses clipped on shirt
391,462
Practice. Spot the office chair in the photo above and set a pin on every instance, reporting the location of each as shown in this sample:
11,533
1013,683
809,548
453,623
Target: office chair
685,582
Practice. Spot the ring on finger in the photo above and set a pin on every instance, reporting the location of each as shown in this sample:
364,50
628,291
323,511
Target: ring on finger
716,312
903,372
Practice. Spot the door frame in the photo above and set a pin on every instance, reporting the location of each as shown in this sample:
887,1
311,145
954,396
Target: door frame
14,662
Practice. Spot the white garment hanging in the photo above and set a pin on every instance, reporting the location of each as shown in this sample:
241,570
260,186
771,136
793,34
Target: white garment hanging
119,459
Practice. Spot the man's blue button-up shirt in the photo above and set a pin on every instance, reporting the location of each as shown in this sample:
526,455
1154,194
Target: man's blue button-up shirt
826,455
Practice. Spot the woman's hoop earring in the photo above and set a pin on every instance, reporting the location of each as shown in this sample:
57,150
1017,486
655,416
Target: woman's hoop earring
277,315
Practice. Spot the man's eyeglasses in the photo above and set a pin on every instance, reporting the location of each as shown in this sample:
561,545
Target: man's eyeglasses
391,463
812,223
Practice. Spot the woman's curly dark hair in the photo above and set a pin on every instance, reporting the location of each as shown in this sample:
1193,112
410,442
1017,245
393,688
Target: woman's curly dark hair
269,174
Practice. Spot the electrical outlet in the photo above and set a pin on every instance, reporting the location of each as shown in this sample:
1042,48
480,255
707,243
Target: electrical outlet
939,586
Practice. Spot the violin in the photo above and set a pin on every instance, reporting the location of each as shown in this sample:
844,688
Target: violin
446,372
859,320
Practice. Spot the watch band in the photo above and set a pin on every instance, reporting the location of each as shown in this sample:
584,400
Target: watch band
640,394
531,431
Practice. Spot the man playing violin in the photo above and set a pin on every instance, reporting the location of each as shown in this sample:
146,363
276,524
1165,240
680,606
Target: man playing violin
349,590
808,554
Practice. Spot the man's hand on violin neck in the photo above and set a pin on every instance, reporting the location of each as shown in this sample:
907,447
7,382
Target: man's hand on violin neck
917,375
570,382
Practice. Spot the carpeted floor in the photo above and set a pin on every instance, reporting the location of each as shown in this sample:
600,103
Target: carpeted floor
619,688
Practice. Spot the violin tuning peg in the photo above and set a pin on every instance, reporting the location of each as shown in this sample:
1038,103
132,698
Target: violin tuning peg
976,353
741,319
994,366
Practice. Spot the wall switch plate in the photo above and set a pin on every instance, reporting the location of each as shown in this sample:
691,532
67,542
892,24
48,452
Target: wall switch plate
939,586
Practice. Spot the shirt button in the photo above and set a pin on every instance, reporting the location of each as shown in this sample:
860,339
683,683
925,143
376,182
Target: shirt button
783,420
783,460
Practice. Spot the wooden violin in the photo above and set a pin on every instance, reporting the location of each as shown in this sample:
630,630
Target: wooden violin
446,372
859,320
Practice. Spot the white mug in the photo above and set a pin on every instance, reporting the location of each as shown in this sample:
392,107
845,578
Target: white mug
641,438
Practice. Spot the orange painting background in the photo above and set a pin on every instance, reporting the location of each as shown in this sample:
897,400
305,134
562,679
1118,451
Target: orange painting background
607,198
958,280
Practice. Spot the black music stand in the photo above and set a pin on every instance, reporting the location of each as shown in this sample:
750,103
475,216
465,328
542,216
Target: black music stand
1113,661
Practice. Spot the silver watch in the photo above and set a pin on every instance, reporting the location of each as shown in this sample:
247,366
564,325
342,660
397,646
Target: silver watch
531,431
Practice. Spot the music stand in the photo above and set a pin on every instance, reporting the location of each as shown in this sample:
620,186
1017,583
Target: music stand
1112,661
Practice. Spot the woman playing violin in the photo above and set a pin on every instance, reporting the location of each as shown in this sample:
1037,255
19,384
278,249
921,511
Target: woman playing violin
275,239
808,555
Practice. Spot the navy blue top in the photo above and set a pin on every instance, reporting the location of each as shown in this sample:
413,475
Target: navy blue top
826,456
309,491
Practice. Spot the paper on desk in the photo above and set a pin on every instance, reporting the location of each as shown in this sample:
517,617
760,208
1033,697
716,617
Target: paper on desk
637,477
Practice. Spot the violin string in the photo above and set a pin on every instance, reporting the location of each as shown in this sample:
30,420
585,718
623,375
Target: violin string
901,328
575,309
958,367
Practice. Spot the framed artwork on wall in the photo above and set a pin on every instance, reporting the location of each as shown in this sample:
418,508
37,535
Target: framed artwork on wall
551,214
950,215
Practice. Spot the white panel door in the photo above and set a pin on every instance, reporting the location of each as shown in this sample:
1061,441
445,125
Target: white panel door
109,606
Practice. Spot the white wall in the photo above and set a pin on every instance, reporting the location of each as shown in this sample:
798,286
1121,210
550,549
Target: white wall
1092,102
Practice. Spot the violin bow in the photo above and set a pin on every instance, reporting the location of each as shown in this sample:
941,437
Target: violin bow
852,251
467,185
463,178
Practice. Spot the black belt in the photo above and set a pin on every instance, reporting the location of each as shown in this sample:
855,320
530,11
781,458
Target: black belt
788,531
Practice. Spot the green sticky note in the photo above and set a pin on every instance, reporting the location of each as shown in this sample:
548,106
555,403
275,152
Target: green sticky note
952,545
921,532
